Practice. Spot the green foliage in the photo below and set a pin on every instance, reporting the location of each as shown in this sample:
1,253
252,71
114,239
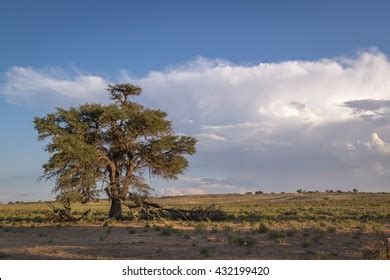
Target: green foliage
276,235
200,228
246,241
115,144
204,252
167,230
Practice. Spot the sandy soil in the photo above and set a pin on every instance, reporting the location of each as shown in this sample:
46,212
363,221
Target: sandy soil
94,242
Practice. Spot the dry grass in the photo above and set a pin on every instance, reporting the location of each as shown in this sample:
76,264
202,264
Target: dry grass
292,226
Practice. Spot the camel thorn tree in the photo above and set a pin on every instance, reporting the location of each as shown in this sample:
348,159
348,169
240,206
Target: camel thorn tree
114,145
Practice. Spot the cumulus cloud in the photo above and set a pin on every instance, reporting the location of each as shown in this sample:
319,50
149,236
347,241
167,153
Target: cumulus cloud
271,125
379,144
311,92
28,85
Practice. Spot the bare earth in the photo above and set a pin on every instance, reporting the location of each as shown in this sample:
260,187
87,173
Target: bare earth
269,226
95,243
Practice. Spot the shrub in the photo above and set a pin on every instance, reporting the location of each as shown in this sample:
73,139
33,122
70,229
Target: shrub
263,228
306,244
246,241
277,235
200,228
167,230
331,229
204,252
299,191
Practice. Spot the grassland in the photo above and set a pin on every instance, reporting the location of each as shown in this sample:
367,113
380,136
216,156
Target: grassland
265,226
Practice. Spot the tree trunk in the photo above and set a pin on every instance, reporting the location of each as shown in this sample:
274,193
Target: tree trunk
116,209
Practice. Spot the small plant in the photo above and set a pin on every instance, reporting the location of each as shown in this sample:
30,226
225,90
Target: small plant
331,229
103,237
227,228
214,229
204,252
200,228
167,230
247,241
263,228
276,235
306,244
291,232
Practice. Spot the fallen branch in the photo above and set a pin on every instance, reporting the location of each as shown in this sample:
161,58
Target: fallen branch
140,209
64,214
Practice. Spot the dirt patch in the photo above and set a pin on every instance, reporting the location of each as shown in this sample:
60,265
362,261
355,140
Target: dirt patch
134,242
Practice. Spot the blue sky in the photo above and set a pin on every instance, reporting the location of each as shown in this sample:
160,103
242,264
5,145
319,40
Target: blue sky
80,45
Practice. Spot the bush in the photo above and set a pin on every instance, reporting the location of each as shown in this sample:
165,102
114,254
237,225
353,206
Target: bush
200,228
299,191
263,228
331,229
204,252
246,241
276,234
167,230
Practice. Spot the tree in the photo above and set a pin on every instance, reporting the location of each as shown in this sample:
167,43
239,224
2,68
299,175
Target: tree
114,145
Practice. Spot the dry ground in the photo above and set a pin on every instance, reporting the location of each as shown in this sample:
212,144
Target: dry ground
279,226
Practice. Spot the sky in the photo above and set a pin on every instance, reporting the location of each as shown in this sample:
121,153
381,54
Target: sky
280,94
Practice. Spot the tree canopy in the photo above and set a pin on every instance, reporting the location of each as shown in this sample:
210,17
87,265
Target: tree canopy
111,147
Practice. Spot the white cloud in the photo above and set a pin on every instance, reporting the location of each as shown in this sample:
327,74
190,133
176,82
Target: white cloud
311,92
210,136
379,144
171,192
277,125
27,85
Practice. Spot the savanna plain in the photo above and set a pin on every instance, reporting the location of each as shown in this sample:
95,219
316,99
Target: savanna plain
311,225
